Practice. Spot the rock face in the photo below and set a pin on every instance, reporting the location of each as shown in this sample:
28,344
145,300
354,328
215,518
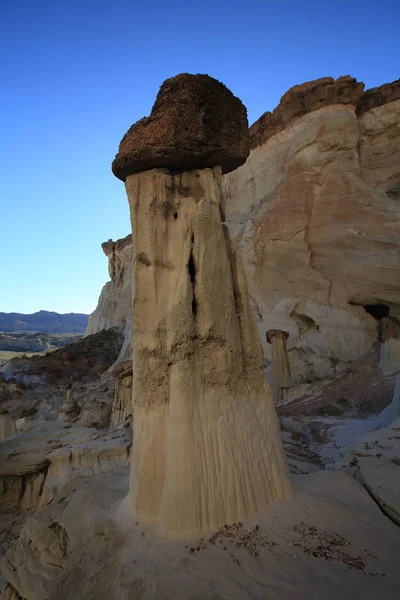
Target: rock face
389,92
205,126
303,99
114,309
207,448
47,454
315,215
374,460
114,306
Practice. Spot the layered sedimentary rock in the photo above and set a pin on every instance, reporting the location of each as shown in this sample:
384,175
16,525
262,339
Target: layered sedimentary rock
36,463
207,448
302,99
114,305
316,216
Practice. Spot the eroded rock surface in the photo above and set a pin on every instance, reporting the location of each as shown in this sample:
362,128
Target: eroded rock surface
388,92
205,425
375,461
114,307
315,215
305,98
36,463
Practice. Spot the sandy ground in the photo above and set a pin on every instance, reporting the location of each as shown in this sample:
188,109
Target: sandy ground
330,541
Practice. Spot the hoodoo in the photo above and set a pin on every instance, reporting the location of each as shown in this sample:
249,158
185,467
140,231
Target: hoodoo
281,378
69,407
207,448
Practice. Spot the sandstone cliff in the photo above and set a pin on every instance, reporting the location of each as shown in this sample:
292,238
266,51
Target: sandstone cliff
315,213
114,305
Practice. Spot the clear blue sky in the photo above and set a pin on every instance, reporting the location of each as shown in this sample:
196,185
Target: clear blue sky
75,74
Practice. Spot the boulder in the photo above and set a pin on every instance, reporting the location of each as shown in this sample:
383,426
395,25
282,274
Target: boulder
195,123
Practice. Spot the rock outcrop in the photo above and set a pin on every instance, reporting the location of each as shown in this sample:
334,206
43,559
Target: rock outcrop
302,99
207,447
315,216
374,460
114,307
36,463
388,92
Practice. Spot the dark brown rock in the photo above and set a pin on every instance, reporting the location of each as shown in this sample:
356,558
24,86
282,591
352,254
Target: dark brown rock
195,123
302,99
389,92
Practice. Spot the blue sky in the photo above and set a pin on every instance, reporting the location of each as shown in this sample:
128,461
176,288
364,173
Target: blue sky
76,74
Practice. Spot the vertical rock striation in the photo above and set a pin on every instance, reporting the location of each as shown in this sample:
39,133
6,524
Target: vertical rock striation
207,448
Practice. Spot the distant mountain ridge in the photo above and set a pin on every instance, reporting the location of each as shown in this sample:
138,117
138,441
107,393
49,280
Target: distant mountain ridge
44,322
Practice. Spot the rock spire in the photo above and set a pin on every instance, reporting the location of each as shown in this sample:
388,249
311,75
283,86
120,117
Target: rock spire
207,448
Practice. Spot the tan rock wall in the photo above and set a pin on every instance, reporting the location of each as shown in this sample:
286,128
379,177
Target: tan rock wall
114,306
313,211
